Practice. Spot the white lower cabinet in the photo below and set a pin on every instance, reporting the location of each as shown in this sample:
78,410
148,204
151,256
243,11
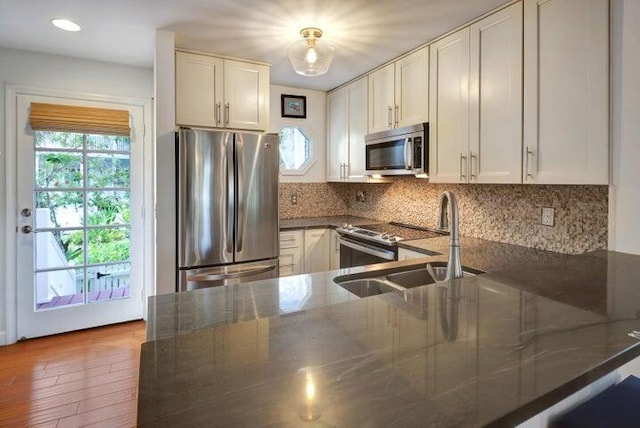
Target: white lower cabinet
306,251
291,258
334,250
404,254
316,250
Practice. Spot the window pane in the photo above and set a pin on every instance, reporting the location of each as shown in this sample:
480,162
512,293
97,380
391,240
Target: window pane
59,209
108,170
108,208
57,249
295,148
108,143
59,288
58,170
108,245
58,140
108,282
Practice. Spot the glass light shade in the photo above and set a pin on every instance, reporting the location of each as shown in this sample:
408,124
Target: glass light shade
311,56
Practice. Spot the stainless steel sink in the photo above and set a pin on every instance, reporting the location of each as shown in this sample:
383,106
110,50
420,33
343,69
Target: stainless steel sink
411,276
368,287
433,272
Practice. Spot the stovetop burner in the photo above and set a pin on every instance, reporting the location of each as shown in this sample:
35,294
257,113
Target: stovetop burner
388,234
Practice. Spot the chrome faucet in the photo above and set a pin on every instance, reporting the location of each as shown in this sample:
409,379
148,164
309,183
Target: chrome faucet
454,266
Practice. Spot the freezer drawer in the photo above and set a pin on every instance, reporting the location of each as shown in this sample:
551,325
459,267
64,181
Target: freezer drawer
194,279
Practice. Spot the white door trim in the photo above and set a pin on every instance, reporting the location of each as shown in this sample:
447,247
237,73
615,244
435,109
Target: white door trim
10,277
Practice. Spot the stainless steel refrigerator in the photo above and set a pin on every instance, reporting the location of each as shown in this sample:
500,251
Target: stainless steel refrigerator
227,207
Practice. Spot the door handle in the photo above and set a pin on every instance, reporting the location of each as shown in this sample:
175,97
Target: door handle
218,112
240,209
526,168
231,197
226,114
463,177
390,121
408,164
397,119
473,157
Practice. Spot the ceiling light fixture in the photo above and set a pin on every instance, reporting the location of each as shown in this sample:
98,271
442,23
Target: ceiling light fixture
66,25
311,56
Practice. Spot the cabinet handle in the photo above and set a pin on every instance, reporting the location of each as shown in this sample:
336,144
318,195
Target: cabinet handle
218,115
474,159
526,168
346,171
390,113
226,113
397,110
463,177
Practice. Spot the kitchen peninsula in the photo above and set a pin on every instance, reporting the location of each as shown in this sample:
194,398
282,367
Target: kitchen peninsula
493,349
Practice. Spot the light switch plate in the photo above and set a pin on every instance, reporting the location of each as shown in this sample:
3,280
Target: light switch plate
548,216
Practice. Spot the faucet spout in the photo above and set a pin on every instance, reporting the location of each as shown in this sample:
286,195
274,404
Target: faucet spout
454,266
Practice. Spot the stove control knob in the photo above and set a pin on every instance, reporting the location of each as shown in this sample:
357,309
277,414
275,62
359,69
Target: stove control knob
350,227
385,236
392,238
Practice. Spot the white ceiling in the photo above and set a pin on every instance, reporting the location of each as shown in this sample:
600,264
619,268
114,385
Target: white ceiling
365,33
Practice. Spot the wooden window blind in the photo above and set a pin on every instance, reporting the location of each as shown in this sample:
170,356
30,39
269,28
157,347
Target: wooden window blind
86,120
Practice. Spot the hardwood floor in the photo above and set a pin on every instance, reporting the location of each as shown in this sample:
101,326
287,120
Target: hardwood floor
82,379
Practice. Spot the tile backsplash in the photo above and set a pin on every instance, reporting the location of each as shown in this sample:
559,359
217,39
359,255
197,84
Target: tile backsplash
505,213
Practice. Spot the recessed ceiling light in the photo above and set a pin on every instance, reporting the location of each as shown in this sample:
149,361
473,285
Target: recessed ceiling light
66,25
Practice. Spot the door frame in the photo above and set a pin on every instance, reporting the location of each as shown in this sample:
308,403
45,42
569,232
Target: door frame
11,219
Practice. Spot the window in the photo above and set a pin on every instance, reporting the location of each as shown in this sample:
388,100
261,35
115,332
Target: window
296,151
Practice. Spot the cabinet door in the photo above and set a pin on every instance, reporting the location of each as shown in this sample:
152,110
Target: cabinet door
290,261
566,98
357,102
316,250
495,113
334,251
246,95
381,99
449,108
404,254
198,90
337,134
412,89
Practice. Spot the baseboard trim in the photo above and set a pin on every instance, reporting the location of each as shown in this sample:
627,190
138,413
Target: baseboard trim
3,338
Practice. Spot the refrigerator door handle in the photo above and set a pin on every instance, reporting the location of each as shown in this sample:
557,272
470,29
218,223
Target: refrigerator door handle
230,199
240,194
206,277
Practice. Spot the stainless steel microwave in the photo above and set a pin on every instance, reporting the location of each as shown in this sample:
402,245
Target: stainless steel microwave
398,151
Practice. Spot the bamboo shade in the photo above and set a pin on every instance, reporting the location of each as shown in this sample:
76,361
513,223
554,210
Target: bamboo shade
86,120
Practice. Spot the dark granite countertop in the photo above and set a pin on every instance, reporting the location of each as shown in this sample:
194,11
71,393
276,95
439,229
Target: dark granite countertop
493,349
319,222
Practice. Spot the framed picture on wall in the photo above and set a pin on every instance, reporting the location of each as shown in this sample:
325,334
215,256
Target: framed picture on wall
293,106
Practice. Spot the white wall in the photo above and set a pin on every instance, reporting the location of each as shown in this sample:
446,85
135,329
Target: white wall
52,72
315,126
165,123
624,197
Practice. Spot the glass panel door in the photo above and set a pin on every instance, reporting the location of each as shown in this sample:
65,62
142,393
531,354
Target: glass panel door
80,224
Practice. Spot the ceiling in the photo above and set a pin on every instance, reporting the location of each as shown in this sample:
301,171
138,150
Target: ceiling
365,33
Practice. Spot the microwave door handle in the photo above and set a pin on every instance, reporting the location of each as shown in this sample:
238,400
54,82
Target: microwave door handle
407,142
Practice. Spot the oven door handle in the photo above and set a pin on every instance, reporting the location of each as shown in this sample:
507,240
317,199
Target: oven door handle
367,249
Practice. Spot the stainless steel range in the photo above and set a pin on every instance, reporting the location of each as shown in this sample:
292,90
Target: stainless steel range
377,243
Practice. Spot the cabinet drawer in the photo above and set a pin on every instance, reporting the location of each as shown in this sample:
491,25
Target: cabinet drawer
291,239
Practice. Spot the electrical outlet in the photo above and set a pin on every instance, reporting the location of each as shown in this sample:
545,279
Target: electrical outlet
548,216
294,199
360,196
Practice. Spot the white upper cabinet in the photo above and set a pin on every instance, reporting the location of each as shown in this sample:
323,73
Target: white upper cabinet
346,128
221,93
337,134
399,93
412,89
566,97
449,108
199,89
495,90
476,102
246,93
